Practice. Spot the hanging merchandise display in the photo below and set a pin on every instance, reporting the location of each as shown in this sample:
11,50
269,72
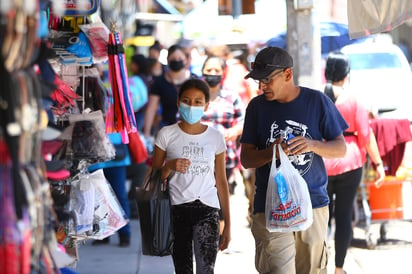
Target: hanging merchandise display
80,8
80,47
63,96
89,140
72,47
19,33
98,213
99,34
120,116
11,259
53,127
26,219
122,120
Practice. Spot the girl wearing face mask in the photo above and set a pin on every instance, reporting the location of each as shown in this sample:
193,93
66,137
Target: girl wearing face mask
194,155
225,112
163,90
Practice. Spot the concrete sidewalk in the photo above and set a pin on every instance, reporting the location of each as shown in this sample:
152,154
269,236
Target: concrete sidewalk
111,259
391,256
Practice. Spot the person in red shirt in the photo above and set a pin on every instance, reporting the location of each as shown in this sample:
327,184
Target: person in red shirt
345,174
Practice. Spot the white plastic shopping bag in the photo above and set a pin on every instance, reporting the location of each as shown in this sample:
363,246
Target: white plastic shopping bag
288,205
98,213
109,215
81,202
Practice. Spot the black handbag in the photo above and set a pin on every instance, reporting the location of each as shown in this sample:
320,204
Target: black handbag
153,203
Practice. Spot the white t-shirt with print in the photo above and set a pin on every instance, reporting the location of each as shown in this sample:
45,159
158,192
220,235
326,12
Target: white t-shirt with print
199,180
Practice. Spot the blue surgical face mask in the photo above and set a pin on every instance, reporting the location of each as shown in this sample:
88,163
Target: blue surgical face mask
191,114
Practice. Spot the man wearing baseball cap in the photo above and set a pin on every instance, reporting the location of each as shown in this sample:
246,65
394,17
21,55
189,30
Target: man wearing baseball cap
315,128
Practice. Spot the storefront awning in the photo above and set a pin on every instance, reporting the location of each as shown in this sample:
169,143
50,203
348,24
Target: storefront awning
163,6
368,17
161,10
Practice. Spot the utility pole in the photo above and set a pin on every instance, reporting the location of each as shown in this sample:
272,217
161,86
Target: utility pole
303,43
236,8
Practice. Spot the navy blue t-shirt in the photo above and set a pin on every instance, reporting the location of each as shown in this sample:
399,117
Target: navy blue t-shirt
168,98
312,115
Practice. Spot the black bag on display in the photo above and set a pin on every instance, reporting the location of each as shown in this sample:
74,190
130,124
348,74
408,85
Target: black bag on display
153,203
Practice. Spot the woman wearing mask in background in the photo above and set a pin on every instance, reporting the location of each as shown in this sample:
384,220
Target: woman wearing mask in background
164,89
138,86
225,112
345,174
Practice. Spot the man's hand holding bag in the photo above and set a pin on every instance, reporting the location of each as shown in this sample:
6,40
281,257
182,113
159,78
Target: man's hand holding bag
288,205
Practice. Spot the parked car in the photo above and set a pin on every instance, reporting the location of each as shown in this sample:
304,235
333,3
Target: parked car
381,77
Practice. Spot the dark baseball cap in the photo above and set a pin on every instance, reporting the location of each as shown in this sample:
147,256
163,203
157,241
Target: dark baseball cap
268,60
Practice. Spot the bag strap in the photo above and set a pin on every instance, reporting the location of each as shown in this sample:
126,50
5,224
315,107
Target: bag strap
149,179
155,177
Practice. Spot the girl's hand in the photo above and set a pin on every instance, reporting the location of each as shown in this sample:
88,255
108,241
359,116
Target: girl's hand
224,239
180,164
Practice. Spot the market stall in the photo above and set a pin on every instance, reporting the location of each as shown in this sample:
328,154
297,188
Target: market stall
55,120
391,200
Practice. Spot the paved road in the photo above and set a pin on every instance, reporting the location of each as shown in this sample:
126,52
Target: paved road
391,256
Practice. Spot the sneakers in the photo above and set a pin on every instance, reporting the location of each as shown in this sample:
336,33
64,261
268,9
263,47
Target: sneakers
232,186
101,242
124,241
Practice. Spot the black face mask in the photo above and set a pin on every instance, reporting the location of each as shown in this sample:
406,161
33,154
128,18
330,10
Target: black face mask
212,80
176,65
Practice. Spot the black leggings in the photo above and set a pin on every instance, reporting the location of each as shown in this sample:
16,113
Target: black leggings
345,187
197,223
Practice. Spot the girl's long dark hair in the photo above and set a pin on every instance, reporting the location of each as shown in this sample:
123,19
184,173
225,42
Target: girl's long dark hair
329,91
336,69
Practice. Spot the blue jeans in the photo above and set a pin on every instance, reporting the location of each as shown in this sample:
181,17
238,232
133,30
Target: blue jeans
117,179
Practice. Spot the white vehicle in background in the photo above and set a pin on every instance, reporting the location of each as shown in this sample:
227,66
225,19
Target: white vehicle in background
381,78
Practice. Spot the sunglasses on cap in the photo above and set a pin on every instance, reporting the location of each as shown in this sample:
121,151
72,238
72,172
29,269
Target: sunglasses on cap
269,78
259,66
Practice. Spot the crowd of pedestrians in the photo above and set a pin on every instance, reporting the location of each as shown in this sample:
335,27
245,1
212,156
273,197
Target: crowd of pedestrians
251,109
